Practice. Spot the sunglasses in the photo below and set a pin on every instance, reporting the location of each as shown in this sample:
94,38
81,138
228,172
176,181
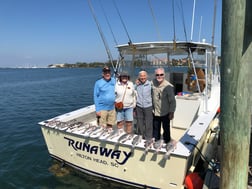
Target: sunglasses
106,72
159,74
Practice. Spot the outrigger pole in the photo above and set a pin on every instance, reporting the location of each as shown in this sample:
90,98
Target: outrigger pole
101,34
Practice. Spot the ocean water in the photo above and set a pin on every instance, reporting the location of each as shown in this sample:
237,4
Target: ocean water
28,96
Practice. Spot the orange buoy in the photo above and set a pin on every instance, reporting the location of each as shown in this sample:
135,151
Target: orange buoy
193,181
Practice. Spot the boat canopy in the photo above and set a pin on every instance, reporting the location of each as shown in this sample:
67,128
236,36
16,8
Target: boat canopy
169,47
189,65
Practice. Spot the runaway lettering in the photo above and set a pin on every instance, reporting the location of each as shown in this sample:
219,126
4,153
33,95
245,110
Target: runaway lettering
102,151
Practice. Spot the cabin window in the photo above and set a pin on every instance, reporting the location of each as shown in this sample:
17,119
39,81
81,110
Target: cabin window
177,80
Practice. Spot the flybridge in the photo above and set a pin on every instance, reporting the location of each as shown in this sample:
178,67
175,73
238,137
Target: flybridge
170,47
102,151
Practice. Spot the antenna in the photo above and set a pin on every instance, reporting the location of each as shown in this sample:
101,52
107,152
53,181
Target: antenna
200,28
214,19
194,2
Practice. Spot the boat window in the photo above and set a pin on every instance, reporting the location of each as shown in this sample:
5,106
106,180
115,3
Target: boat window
177,80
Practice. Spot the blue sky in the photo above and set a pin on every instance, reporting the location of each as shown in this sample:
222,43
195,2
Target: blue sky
43,32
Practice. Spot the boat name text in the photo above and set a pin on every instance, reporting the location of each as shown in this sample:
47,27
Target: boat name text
102,151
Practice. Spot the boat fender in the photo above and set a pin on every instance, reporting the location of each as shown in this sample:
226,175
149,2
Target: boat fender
193,181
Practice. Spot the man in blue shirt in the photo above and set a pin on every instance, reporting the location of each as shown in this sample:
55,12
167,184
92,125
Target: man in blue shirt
104,99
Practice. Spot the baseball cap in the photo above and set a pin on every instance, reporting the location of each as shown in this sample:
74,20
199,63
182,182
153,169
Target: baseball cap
106,69
124,73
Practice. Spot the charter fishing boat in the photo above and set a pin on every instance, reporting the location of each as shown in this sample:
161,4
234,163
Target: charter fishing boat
76,140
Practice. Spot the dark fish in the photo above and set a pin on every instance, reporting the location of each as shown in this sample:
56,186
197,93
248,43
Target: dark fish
106,131
158,145
96,132
136,140
62,126
148,144
52,123
89,129
170,147
125,137
116,133
65,125
77,126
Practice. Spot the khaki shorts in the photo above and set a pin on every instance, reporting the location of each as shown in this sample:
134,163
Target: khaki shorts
108,117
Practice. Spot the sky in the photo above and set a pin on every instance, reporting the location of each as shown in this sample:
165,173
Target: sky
43,32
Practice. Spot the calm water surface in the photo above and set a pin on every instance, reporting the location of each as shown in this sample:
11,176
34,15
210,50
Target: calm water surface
28,96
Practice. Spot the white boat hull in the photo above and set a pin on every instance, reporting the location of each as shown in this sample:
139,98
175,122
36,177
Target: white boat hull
70,137
117,163
123,162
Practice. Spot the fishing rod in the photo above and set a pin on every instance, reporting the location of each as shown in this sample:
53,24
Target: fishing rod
130,42
154,19
183,19
121,61
174,27
115,41
101,34
190,54
110,28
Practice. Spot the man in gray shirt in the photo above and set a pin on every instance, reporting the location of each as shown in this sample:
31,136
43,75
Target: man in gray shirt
144,113
164,105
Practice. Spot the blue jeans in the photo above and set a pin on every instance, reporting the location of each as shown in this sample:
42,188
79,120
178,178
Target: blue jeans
157,121
124,115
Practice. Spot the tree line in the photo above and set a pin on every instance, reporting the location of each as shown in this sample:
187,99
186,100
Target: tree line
82,65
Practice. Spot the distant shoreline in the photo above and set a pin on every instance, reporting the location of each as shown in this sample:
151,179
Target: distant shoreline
67,65
80,65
